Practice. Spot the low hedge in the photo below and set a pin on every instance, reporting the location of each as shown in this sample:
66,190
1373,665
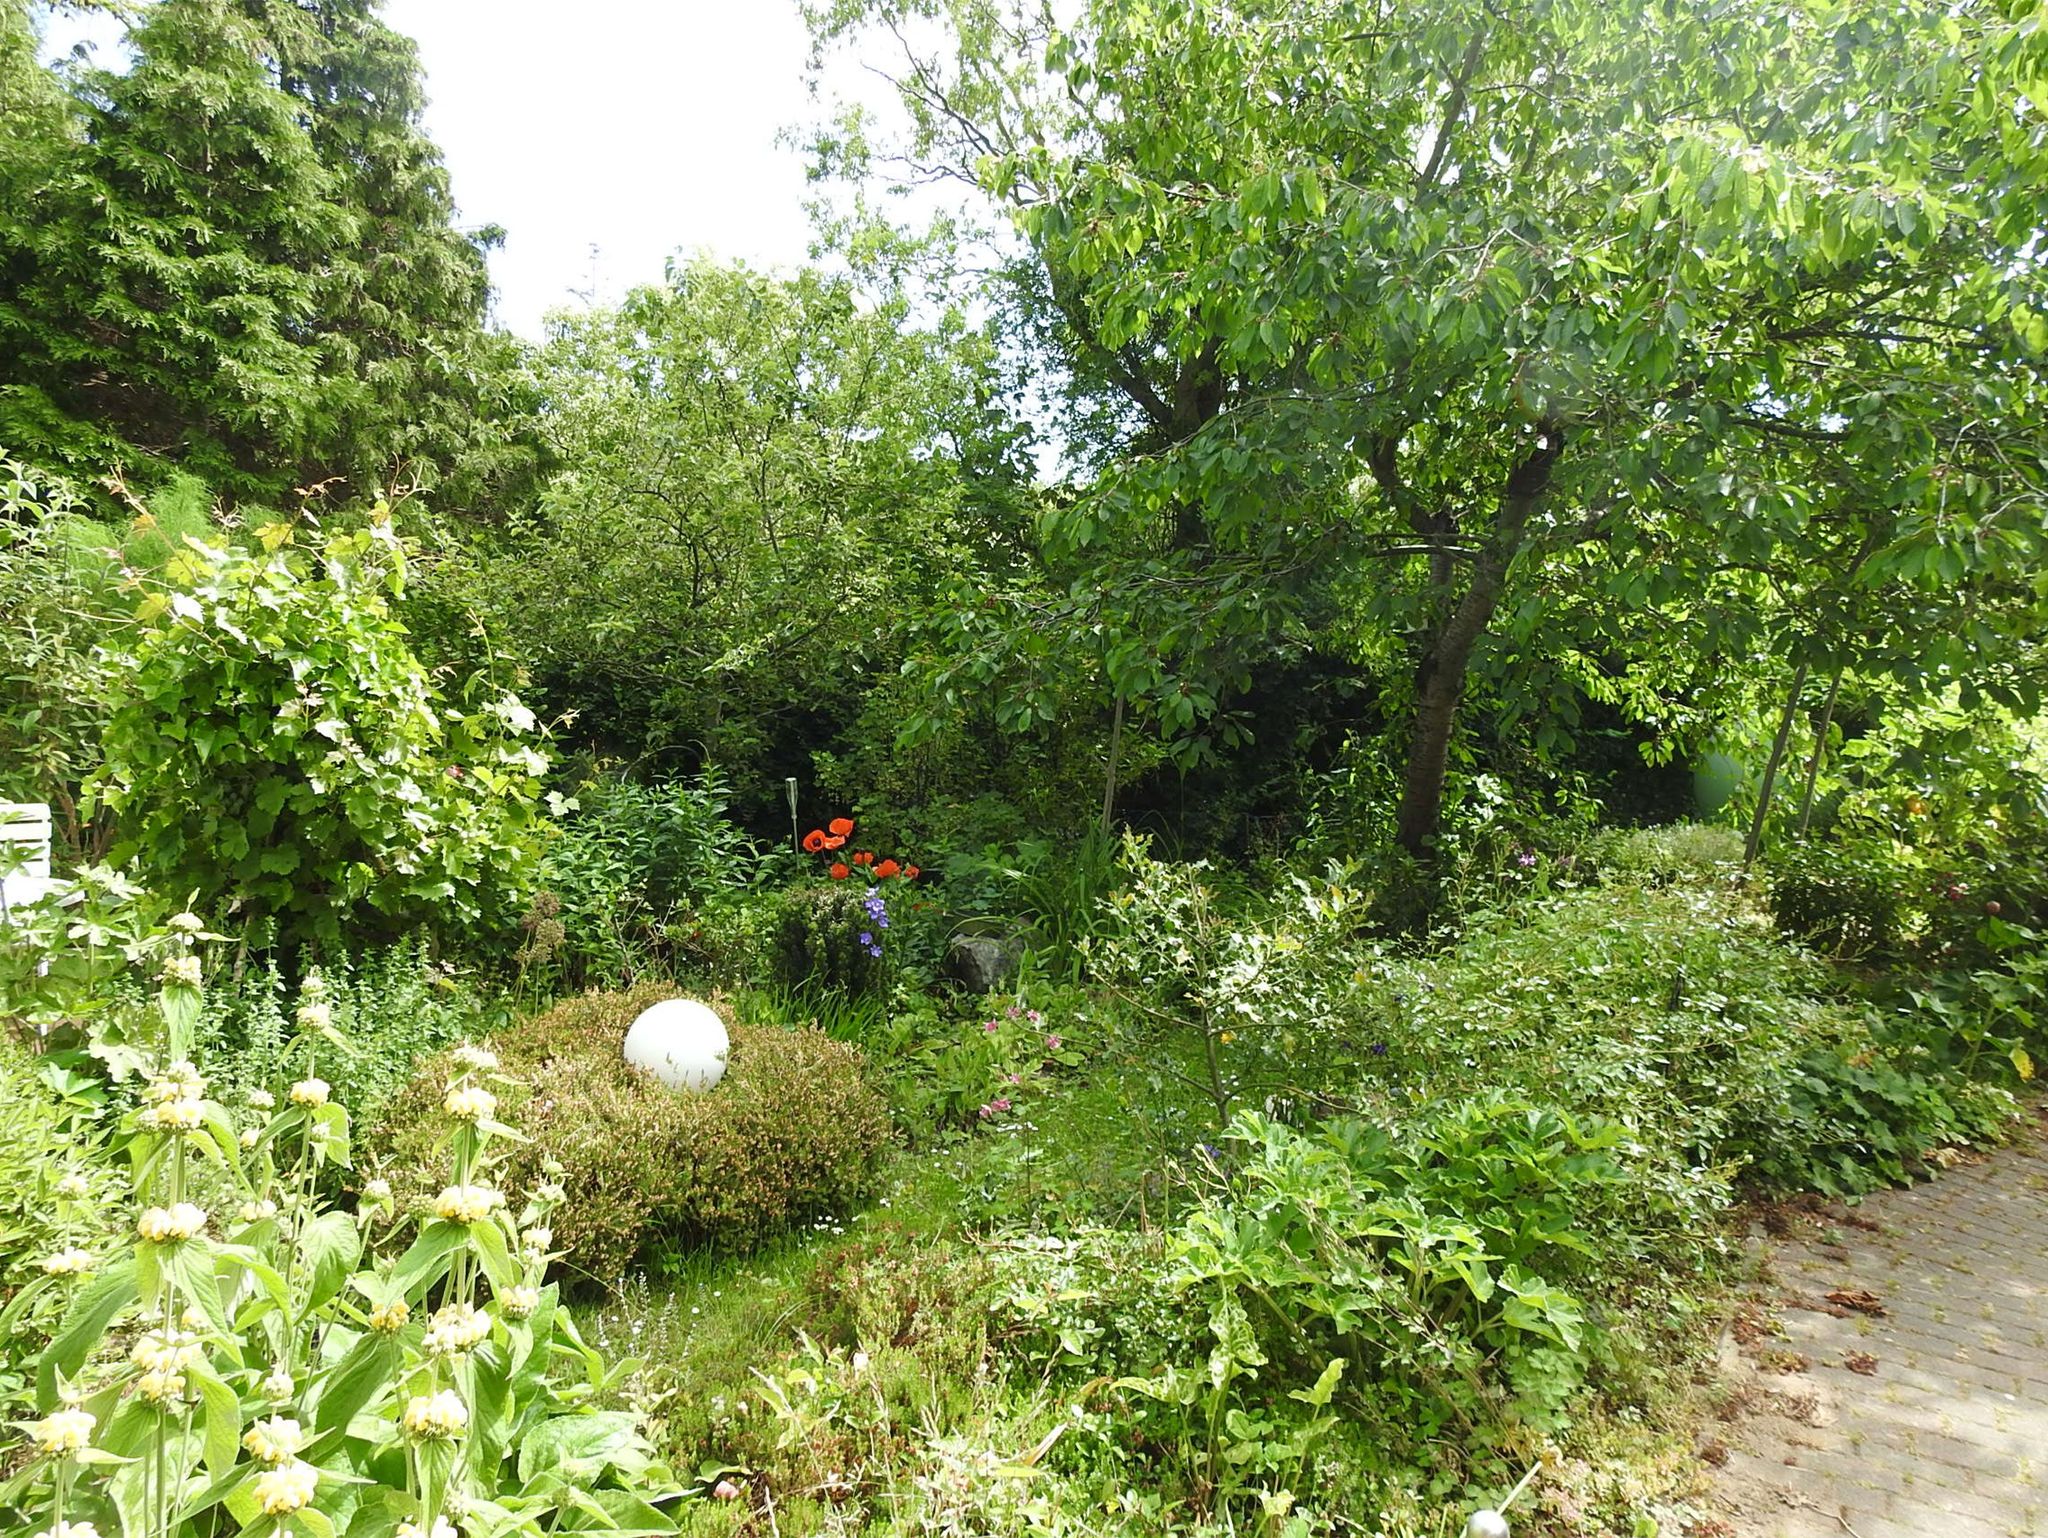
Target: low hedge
793,1130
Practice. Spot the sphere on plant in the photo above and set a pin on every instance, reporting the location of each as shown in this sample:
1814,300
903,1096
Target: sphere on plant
681,1042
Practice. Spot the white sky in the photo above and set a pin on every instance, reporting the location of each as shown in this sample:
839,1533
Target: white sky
642,127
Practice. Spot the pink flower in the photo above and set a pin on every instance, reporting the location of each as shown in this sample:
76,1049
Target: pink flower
1002,1104
1016,1078
726,1490
987,1111
990,1027
1052,1043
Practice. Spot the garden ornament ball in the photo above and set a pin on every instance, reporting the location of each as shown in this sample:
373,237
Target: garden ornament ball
681,1042
1487,1524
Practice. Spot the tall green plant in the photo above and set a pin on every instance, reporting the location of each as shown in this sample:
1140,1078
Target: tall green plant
277,749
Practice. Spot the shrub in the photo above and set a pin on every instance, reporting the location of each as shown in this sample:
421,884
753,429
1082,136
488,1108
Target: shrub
792,1130
240,1353
1660,856
52,1190
392,1005
277,749
815,941
1852,899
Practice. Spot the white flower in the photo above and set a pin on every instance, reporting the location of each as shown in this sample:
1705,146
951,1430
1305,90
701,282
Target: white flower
278,1385
71,1261
66,1431
274,1440
550,1192
73,1188
377,1192
439,1415
519,1302
539,1240
443,1528
467,1204
250,1137
469,1102
187,923
287,1489
171,1116
182,971
480,1058
171,1225
456,1328
70,1530
180,1081
262,1100
310,1092
391,1318
160,1387
257,1212
314,987
314,1015
166,1351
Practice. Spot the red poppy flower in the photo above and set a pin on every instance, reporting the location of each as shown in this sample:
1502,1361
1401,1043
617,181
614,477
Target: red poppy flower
840,825
838,872
834,841
910,873
865,857
814,841
887,869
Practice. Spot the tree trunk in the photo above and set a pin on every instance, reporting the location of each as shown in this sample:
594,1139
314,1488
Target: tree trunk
1116,748
1442,681
1820,746
1755,843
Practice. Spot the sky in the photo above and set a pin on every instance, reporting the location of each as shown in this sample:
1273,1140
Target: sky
638,127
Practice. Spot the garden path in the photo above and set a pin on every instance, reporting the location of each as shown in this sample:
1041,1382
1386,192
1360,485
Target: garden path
1898,1371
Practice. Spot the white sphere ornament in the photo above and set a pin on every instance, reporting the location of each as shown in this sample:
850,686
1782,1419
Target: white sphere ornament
1487,1524
681,1042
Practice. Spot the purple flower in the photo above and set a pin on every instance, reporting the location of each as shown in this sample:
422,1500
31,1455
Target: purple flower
866,938
1379,1049
1526,859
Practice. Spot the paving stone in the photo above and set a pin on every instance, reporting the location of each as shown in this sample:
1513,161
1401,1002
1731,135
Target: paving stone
1947,1435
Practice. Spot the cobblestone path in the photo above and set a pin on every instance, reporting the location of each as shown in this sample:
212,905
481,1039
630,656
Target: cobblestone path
1900,1374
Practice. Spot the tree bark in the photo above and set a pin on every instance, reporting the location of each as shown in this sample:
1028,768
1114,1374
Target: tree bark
1820,747
1441,684
1116,748
1755,842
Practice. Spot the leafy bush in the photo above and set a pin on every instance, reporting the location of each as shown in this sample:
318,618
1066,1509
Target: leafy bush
815,941
638,879
391,1006
793,1129
235,1366
1685,851
277,749
1853,899
54,1186
1378,1286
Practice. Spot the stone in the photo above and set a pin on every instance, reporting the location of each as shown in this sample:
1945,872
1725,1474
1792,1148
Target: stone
983,963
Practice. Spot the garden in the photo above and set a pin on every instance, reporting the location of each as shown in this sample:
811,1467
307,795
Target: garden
1303,777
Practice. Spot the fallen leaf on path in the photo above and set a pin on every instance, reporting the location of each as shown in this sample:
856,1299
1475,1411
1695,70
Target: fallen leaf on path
1862,1299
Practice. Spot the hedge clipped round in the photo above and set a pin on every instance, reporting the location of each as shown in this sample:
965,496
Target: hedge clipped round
793,1130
